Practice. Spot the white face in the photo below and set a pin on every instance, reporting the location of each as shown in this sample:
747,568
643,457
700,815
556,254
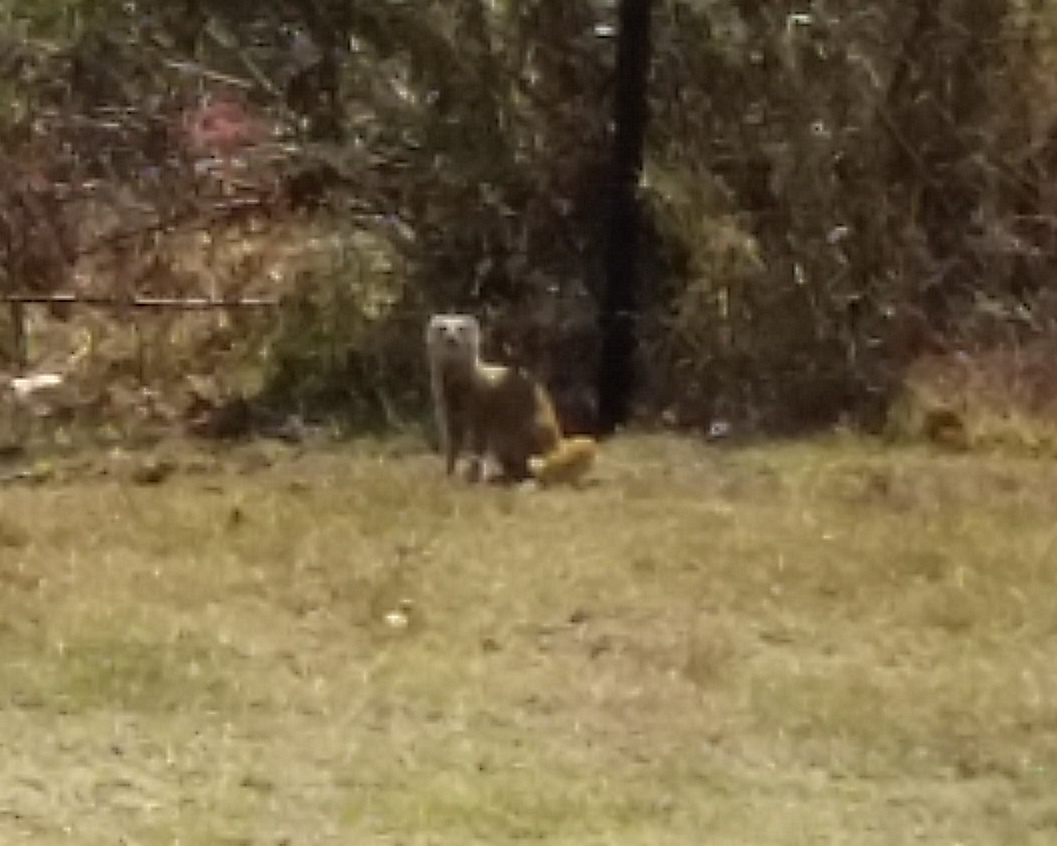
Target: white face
452,337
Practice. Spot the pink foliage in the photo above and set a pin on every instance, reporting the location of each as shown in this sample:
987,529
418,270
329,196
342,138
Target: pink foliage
221,127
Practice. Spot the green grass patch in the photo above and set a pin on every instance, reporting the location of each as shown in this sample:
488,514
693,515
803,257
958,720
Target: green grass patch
109,671
819,641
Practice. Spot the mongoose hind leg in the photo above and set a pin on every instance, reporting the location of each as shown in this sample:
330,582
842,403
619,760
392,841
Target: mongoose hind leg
515,469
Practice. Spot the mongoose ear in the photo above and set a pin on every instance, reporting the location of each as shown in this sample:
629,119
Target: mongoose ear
432,328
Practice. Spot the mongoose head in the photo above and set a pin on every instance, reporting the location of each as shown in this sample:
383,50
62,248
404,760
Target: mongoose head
453,339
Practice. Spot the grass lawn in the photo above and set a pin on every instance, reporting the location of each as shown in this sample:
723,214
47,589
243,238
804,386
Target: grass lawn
803,643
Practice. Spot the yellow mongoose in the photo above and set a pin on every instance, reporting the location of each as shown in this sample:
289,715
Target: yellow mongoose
496,410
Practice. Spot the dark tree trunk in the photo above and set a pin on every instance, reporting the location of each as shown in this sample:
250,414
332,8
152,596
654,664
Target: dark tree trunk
618,313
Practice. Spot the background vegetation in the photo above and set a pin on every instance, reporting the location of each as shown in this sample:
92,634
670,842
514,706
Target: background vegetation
844,203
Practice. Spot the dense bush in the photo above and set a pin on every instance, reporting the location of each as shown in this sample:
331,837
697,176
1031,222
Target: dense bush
830,192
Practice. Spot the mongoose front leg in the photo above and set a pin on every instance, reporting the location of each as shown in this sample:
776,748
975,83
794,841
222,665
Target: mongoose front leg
478,450
455,438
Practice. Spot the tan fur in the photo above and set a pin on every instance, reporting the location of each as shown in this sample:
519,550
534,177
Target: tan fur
491,409
567,464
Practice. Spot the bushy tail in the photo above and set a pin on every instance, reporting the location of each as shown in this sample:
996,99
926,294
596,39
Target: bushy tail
567,463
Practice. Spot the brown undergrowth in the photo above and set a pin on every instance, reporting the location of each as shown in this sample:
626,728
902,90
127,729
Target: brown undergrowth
1002,399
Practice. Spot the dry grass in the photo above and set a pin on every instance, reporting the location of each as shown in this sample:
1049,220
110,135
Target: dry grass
1002,399
809,643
